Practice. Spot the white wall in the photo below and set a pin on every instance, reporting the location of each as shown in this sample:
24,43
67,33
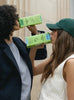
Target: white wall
72,8
46,8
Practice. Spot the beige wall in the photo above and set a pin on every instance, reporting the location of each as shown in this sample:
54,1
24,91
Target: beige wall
2,2
51,11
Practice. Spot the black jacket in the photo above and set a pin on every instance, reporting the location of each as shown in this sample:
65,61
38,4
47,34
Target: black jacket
10,79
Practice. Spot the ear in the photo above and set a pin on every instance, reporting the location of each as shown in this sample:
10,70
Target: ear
56,33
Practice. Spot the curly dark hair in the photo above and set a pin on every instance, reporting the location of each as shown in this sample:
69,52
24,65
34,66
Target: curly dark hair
8,17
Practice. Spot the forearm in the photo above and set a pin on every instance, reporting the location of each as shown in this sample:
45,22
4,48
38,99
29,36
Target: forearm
32,55
39,69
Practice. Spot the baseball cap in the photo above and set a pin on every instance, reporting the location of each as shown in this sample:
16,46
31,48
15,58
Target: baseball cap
66,24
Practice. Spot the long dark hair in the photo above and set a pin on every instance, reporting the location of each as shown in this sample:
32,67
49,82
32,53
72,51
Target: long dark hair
62,48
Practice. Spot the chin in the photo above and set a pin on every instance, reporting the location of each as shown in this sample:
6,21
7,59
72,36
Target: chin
17,28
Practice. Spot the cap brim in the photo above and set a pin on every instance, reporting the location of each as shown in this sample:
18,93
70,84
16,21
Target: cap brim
52,26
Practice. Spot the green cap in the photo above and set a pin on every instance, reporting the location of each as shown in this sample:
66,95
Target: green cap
67,24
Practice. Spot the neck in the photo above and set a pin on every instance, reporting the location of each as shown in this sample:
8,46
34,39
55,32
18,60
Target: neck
8,41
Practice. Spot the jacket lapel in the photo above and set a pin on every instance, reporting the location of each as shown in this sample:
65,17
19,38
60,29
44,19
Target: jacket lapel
5,48
9,54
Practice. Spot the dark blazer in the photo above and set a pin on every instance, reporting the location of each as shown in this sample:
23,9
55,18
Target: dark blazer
10,79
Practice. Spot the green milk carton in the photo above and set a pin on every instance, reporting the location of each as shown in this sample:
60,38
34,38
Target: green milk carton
38,39
30,20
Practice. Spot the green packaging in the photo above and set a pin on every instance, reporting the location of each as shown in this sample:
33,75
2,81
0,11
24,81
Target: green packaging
38,39
30,20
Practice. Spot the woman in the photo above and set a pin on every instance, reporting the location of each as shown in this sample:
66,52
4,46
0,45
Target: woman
58,71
